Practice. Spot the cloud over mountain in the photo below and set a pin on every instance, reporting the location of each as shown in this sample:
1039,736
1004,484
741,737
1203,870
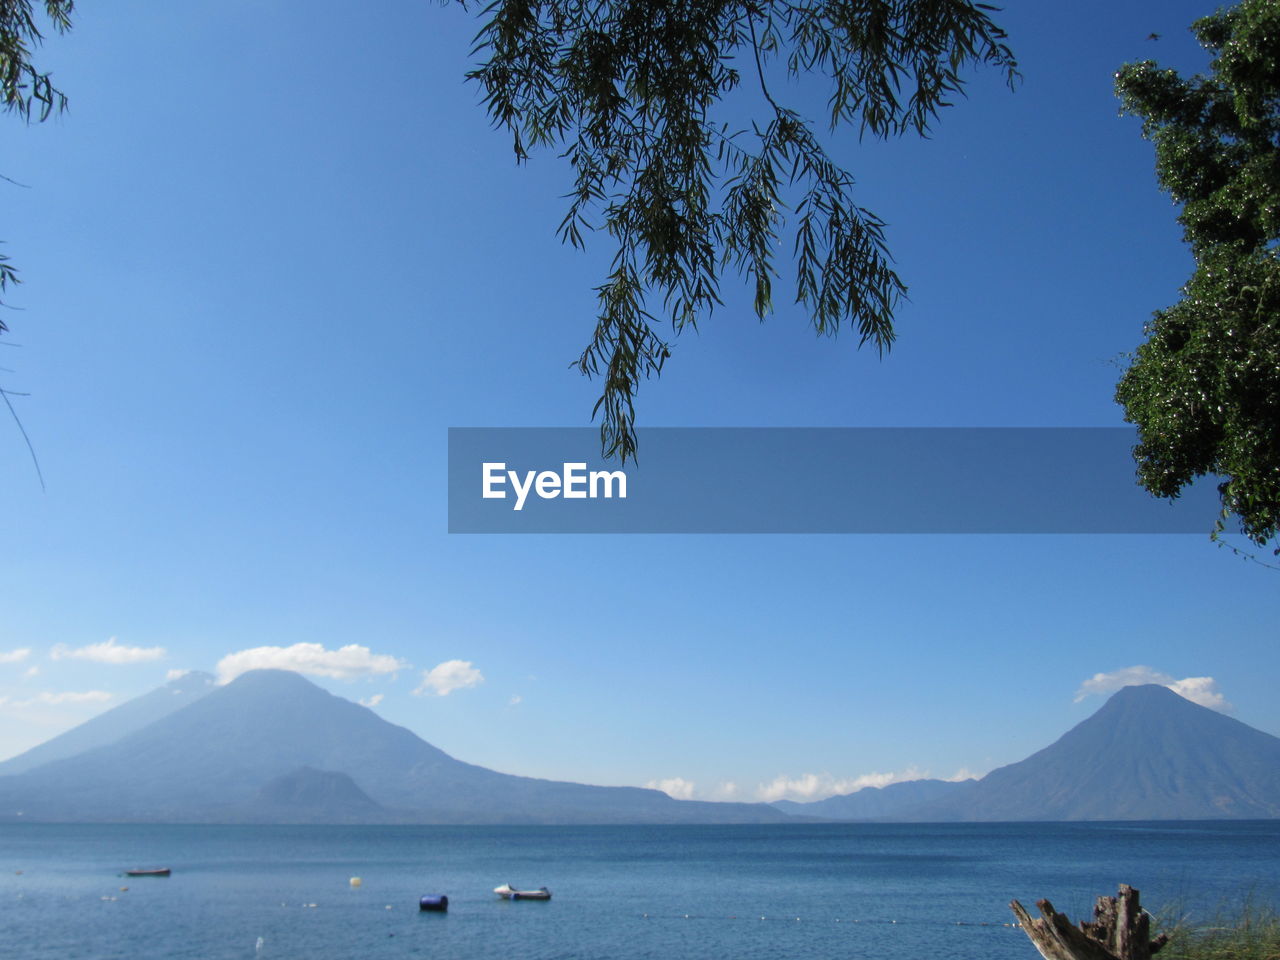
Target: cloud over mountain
677,787
816,786
1201,690
312,659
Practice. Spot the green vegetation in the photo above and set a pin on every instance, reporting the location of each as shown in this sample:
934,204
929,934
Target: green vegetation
1250,933
628,91
24,90
1204,390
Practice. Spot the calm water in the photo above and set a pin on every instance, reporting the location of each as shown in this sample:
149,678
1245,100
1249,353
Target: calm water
879,892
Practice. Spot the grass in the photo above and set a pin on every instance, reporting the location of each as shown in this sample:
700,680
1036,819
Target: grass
1248,933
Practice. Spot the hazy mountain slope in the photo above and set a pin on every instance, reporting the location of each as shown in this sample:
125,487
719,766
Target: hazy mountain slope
307,795
118,722
211,759
896,800
1147,754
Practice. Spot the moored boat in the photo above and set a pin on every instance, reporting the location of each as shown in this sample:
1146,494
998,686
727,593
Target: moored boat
508,892
148,872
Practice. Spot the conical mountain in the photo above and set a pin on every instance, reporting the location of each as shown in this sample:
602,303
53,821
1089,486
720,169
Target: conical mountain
212,759
1147,754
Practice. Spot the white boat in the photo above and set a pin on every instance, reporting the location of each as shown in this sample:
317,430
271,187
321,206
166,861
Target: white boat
508,892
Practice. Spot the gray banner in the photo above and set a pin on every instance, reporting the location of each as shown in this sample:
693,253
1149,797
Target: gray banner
812,480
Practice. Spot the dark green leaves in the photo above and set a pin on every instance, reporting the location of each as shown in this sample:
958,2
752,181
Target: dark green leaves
23,89
1204,390
627,91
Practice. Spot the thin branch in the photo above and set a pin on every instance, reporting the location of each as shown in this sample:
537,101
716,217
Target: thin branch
755,48
23,430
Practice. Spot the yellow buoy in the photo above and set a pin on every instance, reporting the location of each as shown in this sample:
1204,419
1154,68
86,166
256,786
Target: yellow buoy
356,881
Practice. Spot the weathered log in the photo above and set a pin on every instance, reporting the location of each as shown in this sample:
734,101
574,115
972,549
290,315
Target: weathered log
1120,930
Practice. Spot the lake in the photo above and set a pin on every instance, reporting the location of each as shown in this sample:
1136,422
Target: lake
817,891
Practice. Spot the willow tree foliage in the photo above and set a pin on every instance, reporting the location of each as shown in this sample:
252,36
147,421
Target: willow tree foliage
31,95
634,94
24,90
1204,389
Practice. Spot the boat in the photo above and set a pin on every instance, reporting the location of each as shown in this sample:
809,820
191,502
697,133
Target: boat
508,892
148,872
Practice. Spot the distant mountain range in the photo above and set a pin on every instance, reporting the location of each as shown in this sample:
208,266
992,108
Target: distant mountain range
876,803
1147,754
272,747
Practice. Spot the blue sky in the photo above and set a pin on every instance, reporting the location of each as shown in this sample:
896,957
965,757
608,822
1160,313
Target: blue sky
274,251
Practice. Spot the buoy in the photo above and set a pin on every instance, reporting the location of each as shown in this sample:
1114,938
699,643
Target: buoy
435,903
355,881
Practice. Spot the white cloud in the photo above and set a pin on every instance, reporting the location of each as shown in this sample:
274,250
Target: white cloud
54,699
15,656
446,677
1204,691
515,700
1103,683
1201,690
819,786
31,671
371,701
676,787
344,663
175,675
727,790
964,773
108,652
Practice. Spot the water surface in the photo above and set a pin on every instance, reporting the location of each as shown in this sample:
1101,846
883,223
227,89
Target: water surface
876,891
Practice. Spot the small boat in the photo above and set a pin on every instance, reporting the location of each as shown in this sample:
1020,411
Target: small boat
148,872
508,892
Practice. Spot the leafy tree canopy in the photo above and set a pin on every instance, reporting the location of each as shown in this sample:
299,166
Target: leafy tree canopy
24,90
627,90
1204,390
27,92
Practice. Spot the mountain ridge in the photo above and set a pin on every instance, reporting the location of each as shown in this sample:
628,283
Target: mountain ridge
1146,754
273,747
210,759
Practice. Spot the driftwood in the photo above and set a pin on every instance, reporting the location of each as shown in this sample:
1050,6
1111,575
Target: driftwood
1120,930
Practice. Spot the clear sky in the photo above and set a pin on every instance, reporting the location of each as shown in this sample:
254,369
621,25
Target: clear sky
274,250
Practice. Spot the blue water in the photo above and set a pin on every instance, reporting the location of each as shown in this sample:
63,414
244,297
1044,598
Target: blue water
881,892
